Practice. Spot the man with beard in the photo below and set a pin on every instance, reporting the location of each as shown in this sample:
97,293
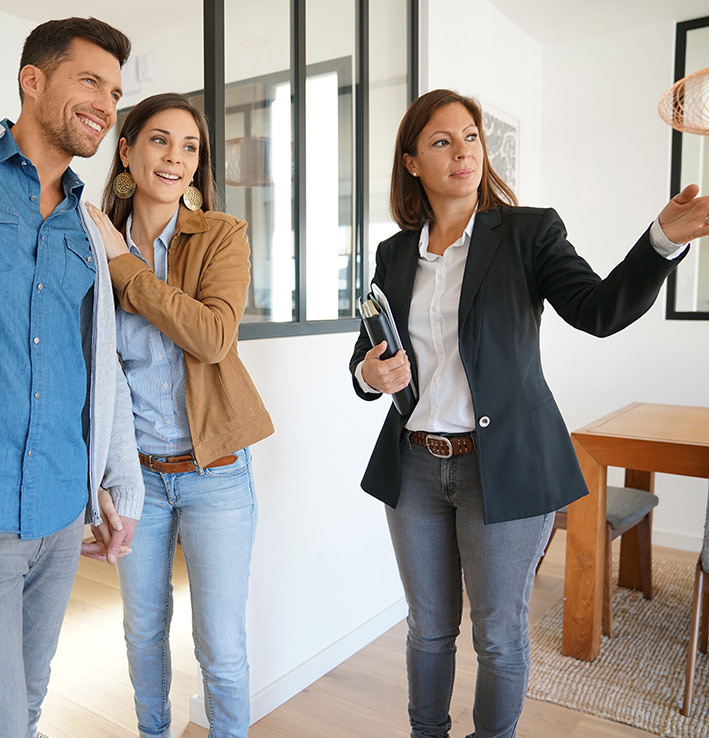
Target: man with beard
67,423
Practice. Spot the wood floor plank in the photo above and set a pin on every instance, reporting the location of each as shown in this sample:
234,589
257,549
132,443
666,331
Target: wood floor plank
365,697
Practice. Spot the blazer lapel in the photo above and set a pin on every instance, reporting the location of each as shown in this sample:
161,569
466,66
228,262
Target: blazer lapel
483,245
404,269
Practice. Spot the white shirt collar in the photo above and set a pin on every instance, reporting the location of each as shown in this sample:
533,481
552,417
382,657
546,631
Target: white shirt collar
423,239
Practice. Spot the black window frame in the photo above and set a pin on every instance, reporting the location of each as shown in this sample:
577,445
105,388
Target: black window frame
671,312
215,111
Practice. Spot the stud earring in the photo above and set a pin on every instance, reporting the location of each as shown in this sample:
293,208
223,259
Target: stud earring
192,198
124,185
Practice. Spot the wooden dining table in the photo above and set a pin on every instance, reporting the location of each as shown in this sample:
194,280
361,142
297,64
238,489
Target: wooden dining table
643,438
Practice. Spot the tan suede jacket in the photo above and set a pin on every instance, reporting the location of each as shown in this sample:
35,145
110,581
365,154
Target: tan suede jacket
199,309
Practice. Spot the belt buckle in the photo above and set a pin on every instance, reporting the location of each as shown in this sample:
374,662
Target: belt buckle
441,439
194,461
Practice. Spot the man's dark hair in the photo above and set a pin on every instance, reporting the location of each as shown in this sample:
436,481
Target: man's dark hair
48,45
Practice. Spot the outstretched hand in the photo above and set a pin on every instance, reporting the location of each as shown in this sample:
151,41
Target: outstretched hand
686,216
113,241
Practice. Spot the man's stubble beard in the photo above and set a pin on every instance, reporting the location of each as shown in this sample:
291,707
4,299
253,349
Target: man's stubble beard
65,137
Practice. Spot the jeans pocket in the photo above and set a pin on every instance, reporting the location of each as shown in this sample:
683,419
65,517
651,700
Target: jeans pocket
239,467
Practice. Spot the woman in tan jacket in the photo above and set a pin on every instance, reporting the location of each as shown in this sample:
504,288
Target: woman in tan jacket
180,272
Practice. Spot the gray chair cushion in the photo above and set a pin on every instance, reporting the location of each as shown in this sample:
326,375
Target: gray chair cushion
626,507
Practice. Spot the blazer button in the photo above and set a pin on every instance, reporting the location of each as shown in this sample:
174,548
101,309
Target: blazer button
484,421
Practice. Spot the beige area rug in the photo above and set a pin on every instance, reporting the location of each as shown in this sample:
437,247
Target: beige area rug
639,677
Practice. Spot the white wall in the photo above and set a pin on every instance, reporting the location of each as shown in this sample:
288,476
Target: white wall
13,32
324,581
495,62
593,146
606,154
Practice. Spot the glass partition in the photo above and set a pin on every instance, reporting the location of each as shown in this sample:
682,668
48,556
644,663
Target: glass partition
330,44
259,152
307,148
388,100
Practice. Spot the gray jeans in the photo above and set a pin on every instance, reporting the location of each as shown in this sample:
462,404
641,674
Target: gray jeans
437,530
36,578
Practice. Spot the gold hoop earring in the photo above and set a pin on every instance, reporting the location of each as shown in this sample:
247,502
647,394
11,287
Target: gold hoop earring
192,198
124,185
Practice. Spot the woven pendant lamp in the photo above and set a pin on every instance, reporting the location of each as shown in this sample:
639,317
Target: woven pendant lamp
685,106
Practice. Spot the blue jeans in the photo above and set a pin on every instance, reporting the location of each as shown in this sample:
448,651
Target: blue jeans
437,529
214,513
36,577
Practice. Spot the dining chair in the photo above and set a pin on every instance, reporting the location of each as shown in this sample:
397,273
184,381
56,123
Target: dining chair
700,619
626,508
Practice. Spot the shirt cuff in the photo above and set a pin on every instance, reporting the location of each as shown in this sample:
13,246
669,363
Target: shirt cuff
662,244
363,385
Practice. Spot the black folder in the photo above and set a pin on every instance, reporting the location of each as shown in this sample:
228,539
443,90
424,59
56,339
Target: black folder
380,326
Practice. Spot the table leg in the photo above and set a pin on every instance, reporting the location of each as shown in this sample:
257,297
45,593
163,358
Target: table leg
585,545
630,564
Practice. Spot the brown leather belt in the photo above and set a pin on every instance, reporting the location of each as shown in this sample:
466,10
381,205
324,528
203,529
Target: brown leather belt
444,446
179,464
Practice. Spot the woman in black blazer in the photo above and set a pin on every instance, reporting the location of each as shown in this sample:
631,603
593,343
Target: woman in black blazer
473,474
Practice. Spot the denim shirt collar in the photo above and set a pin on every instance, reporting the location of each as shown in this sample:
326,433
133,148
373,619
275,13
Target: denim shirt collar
71,183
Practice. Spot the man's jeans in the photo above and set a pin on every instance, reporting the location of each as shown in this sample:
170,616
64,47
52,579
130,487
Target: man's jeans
214,512
437,528
36,577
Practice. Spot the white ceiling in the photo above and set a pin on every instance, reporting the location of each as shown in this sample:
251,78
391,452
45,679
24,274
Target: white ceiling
545,20
563,20
148,13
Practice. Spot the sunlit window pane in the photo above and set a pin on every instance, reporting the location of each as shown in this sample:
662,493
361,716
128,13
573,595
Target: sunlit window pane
259,152
329,247
388,83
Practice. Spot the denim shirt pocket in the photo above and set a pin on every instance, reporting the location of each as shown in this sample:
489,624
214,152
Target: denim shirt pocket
79,270
9,228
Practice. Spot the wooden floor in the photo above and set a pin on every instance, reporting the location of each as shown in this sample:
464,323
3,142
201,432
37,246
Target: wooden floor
365,697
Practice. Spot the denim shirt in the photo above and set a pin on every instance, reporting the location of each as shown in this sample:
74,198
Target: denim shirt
155,367
46,273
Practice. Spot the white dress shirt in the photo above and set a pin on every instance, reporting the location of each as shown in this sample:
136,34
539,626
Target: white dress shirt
154,367
444,404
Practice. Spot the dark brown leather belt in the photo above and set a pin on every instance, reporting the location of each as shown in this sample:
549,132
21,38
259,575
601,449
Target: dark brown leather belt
179,464
444,446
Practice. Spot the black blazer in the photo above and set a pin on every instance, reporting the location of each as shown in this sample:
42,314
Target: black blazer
518,258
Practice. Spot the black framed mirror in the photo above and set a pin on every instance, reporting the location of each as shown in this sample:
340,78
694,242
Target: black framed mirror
688,286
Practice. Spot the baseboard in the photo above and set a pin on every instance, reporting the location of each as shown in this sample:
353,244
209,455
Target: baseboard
672,539
275,694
